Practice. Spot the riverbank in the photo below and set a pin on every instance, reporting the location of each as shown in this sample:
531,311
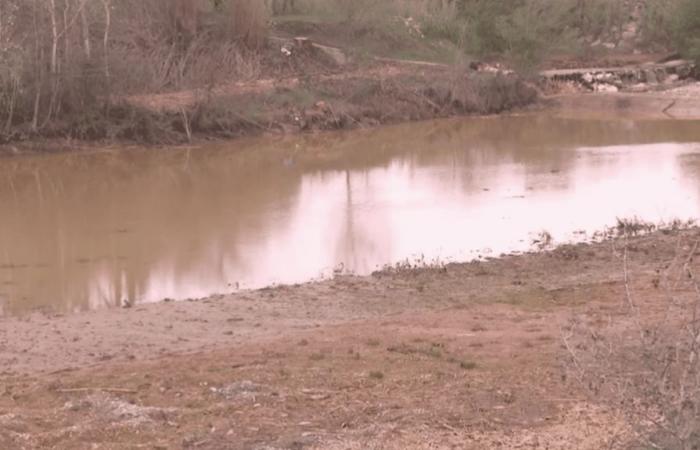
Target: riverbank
388,93
223,69
395,101
310,87
337,98
466,354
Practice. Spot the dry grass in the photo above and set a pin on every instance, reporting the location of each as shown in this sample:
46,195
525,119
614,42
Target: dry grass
249,20
642,359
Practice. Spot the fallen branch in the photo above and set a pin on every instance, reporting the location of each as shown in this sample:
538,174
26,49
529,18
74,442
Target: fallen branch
671,105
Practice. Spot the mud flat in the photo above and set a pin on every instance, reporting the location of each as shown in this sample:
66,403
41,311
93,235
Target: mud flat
467,354
682,103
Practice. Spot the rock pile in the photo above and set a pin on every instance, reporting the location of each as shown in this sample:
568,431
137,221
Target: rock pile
635,78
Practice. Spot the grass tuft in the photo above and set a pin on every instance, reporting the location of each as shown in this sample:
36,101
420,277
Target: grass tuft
376,375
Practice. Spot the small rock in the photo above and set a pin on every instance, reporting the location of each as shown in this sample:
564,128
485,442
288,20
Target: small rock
639,87
600,87
241,389
71,406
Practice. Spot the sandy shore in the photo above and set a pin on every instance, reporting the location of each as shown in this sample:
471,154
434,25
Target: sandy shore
467,355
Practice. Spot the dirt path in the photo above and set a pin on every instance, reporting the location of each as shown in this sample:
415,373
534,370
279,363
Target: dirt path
467,356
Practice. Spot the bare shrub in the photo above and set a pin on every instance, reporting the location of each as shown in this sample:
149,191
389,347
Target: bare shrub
67,59
357,12
280,7
643,358
49,68
487,93
599,19
184,17
440,19
146,57
249,20
155,49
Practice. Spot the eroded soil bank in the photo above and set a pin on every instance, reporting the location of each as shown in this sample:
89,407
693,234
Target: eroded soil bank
356,96
462,356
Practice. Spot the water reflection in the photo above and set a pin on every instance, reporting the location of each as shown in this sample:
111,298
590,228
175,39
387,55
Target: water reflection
88,230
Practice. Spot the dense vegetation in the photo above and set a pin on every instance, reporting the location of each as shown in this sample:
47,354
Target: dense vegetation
686,28
523,31
68,60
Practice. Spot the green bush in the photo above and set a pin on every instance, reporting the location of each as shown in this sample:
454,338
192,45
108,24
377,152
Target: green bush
598,19
442,21
483,36
687,29
656,24
533,29
521,30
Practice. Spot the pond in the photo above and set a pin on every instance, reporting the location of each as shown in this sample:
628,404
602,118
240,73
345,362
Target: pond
86,230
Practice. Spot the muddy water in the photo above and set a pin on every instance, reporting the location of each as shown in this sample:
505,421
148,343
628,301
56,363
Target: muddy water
88,230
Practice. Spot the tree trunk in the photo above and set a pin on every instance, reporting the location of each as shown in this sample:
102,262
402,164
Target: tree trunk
54,37
1,27
105,39
38,65
85,30
185,18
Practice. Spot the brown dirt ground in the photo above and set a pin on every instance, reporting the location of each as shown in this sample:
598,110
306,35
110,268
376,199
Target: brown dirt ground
465,356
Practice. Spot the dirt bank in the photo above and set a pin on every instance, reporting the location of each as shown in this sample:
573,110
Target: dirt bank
468,355
306,91
382,93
